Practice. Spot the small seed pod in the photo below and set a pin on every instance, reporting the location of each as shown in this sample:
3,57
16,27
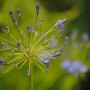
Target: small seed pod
11,13
27,48
21,31
57,54
41,21
19,12
3,44
66,40
46,62
19,45
36,33
15,21
2,62
6,44
28,72
7,28
12,50
60,50
29,28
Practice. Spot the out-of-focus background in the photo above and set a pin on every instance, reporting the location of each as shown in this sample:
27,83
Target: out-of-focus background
77,28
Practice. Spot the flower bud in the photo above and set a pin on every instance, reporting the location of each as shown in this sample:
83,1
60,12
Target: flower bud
37,8
19,12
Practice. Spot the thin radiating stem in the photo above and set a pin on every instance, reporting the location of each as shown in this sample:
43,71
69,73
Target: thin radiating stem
31,75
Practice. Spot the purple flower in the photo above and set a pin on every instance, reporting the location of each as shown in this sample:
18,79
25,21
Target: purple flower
74,67
66,64
60,22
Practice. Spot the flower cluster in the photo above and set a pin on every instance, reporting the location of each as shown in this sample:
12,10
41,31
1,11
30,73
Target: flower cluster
74,67
32,45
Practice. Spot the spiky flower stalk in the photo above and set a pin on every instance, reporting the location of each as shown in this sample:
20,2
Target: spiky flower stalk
31,46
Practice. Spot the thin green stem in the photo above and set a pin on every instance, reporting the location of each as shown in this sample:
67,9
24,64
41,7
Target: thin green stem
31,75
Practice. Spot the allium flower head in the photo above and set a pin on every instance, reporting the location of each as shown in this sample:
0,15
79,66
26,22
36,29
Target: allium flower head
31,45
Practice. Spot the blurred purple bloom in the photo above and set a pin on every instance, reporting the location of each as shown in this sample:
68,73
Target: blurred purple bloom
66,64
74,35
74,67
84,69
85,37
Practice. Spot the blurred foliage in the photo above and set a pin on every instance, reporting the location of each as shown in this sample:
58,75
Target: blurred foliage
56,78
59,5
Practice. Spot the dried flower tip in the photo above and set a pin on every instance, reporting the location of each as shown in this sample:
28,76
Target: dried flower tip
28,72
27,48
4,56
3,44
52,36
15,21
42,33
36,33
2,62
41,21
46,62
66,40
7,28
26,56
19,45
19,12
60,50
21,31
37,8
6,44
12,49
57,54
60,32
30,28
11,13
47,66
